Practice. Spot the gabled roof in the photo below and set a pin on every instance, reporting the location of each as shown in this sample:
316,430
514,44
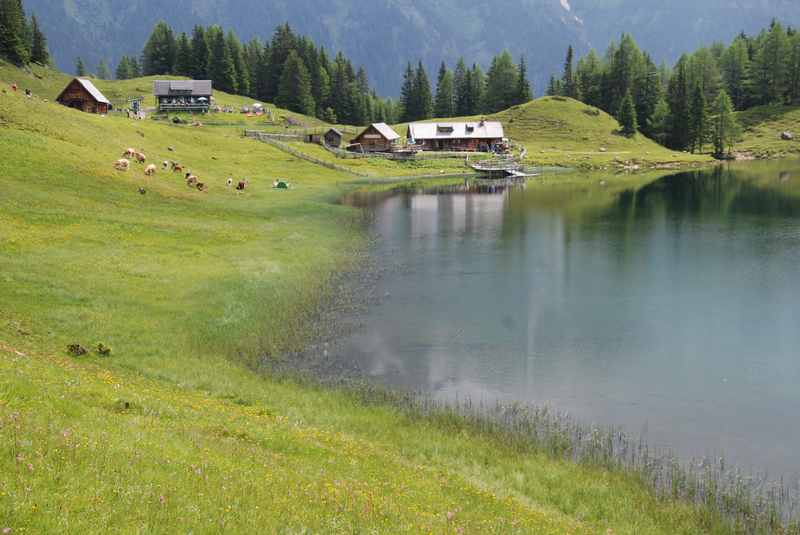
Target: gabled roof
469,130
165,88
335,130
90,88
383,129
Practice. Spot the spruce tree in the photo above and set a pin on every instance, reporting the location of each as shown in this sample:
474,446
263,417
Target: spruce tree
123,71
283,42
477,92
407,96
444,93
102,72
627,116
659,122
589,78
13,44
680,116
221,68
698,125
294,92
135,68
158,56
524,92
239,64
183,57
770,66
735,63
647,94
201,53
422,94
554,87
726,129
80,68
568,86
502,83
461,88
39,52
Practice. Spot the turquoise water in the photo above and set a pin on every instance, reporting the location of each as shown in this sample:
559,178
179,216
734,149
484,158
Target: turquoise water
668,307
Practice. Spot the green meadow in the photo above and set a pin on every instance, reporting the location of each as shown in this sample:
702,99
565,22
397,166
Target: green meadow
173,431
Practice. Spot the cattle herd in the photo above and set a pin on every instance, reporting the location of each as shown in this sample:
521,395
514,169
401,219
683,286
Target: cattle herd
124,164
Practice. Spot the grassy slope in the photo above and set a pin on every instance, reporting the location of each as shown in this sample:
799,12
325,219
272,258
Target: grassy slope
172,429
763,126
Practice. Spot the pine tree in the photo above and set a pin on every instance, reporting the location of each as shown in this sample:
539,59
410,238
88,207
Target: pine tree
502,85
220,67
680,117
554,87
201,54
39,52
445,97
407,96
627,116
422,94
158,56
770,78
13,30
568,86
659,122
102,72
726,128
736,72
477,91
294,91
647,94
184,60
262,90
793,70
239,64
123,71
524,92
135,68
283,42
589,76
461,89
698,125
80,68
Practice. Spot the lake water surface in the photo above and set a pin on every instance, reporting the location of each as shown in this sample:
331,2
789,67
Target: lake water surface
670,307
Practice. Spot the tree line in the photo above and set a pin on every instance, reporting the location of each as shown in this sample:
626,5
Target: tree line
465,90
288,70
691,104
21,39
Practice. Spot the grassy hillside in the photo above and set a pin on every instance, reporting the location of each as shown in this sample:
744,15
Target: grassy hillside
173,430
763,127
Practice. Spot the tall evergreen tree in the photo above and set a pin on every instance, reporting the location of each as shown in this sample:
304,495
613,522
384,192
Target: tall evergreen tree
477,92
408,96
647,94
294,91
422,94
39,52
158,56
502,83
283,42
102,72
184,59
13,44
680,113
445,94
698,125
221,68
524,92
554,87
568,85
123,71
627,116
80,68
239,64
770,78
726,128
589,75
735,63
461,88
201,54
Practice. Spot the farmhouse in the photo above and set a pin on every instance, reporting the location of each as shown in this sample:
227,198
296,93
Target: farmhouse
182,95
333,138
81,94
378,137
484,136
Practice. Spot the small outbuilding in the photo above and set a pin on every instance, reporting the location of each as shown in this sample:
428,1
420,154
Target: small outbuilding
377,137
82,95
333,138
183,95
484,136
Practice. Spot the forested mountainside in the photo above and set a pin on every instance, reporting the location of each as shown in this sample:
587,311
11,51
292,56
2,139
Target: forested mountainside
385,34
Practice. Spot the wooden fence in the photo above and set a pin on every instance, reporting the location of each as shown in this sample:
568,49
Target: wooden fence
270,139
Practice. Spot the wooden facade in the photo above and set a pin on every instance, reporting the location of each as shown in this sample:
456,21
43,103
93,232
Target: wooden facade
82,95
183,95
378,137
481,136
333,138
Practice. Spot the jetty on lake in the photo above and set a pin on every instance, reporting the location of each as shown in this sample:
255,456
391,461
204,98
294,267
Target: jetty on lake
501,167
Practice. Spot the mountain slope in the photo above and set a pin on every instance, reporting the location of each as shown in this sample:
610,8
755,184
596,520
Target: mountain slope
383,35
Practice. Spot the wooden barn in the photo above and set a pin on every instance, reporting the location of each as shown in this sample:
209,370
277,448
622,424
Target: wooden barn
333,138
378,137
481,136
81,94
182,95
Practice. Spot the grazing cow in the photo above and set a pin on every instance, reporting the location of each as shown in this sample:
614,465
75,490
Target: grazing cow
140,157
176,167
241,185
191,180
129,153
165,164
122,164
201,187
150,170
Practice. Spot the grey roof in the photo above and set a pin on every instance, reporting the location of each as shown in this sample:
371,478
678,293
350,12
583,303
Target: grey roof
470,130
386,131
337,131
165,88
90,88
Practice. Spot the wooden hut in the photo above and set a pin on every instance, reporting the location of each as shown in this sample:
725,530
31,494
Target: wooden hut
182,95
81,94
333,138
378,137
483,136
